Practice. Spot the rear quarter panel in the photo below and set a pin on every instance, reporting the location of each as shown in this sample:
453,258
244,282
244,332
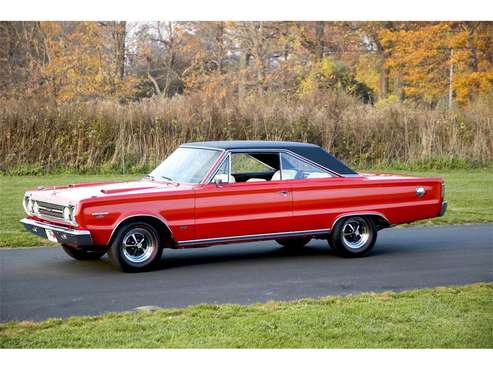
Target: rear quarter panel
318,203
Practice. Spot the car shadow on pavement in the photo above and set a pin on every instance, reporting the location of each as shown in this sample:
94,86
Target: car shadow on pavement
258,253
268,253
181,258
221,254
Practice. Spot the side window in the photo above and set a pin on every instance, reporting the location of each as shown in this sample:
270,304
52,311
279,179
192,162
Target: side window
294,168
244,163
250,167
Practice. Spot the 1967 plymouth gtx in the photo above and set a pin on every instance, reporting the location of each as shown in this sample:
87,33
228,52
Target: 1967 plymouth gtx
208,193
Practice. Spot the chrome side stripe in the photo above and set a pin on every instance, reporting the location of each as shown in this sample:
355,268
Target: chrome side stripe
245,238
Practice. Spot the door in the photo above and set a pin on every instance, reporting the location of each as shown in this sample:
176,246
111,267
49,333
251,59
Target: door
312,193
246,202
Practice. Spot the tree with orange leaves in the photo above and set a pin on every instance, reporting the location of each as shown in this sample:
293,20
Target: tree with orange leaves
79,64
432,60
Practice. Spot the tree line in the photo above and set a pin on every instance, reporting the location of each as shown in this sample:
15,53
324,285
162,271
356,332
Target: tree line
431,63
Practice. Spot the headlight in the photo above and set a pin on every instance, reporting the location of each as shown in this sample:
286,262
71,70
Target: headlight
35,208
67,214
28,207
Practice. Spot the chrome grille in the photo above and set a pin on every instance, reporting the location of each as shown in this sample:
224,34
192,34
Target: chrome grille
49,210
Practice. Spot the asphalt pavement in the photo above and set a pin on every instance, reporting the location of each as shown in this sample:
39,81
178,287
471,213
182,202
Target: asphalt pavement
40,283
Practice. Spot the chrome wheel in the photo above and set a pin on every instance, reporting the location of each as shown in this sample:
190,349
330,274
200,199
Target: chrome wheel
138,245
355,232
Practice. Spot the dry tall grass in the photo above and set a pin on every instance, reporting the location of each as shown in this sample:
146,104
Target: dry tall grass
105,135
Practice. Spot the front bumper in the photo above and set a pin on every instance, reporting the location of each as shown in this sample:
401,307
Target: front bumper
63,235
443,209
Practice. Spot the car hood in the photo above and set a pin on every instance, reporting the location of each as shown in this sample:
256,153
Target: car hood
72,194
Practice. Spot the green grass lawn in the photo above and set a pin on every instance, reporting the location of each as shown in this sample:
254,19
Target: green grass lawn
469,192
454,317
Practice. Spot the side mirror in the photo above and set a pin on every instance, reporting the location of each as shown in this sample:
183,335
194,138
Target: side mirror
219,182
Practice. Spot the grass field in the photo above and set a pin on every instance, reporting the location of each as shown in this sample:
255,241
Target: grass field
469,192
454,317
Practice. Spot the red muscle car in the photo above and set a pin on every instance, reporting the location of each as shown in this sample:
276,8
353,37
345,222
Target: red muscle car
208,193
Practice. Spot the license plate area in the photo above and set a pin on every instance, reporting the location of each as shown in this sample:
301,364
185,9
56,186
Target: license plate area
51,236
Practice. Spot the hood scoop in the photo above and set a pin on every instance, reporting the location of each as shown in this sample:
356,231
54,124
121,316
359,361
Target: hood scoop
125,190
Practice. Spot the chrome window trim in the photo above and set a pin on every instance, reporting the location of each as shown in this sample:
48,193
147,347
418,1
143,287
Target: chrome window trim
300,157
229,167
215,168
209,179
252,237
280,166
201,147
279,151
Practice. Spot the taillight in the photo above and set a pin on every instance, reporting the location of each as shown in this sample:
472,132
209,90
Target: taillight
443,190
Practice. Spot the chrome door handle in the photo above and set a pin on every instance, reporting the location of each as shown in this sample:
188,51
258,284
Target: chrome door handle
284,193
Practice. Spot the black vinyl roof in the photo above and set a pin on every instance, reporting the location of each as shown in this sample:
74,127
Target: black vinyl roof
311,151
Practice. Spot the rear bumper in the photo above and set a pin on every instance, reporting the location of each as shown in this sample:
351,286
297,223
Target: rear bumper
79,238
443,209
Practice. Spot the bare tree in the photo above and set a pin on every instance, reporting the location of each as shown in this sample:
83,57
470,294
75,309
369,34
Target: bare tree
119,36
256,40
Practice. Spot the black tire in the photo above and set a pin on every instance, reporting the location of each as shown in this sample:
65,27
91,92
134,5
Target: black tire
294,243
346,242
140,252
82,255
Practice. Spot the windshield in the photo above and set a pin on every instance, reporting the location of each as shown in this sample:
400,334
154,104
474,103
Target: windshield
189,165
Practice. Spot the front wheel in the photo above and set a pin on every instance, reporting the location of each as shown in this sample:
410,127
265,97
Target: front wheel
353,236
136,247
82,255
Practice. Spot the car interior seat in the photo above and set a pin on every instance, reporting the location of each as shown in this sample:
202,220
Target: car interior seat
317,175
286,175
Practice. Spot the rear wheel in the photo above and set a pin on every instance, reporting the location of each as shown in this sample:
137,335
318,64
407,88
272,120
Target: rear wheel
136,247
82,255
353,236
293,243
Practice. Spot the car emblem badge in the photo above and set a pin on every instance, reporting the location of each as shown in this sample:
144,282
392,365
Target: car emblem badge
420,191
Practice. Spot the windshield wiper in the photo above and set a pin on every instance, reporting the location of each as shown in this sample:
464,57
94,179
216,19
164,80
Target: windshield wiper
170,179
166,178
